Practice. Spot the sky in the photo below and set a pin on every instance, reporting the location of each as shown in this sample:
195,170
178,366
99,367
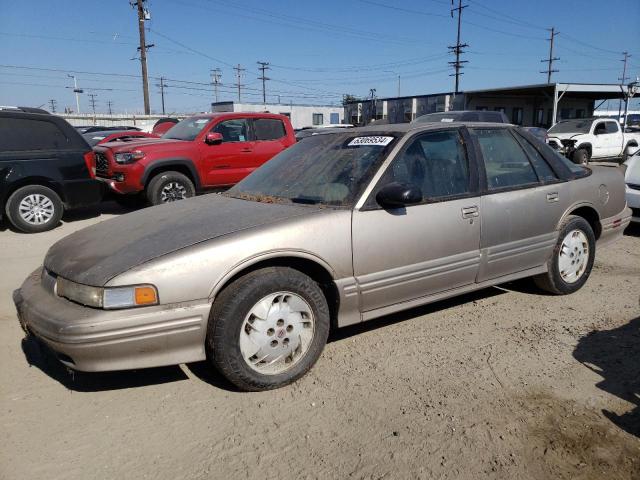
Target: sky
317,50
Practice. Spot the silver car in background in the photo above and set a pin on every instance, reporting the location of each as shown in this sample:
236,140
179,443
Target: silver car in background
336,230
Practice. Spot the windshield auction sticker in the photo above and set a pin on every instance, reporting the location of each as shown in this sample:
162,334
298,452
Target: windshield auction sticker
364,141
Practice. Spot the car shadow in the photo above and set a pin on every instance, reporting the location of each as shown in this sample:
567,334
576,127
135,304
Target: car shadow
615,355
39,356
633,230
351,330
207,373
104,208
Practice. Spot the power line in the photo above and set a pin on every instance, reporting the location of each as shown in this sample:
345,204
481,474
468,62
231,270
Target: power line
264,66
457,49
551,58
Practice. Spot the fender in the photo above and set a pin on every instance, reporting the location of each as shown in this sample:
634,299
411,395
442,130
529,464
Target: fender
586,145
575,206
272,254
167,162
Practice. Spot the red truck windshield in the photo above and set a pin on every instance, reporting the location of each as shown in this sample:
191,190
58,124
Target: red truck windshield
188,129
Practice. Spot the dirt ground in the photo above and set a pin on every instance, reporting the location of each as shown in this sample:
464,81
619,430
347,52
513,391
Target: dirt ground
505,383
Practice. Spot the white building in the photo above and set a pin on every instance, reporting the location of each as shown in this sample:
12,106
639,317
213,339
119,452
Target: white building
300,115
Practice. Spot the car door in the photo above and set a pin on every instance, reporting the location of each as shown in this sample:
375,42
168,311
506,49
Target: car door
522,203
614,139
270,139
406,253
601,145
228,162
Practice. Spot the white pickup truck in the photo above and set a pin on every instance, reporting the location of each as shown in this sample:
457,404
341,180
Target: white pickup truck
585,139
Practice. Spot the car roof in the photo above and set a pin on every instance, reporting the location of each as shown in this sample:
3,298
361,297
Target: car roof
411,127
108,133
240,114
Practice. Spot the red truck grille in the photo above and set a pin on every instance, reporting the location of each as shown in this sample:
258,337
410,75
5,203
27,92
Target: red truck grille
102,164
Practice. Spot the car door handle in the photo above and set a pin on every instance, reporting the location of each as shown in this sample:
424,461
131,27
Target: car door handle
553,197
246,150
470,212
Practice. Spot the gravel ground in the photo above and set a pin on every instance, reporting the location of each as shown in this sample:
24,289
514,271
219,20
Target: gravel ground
504,383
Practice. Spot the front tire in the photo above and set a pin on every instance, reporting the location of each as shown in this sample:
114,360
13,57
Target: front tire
34,209
268,328
581,156
169,187
570,265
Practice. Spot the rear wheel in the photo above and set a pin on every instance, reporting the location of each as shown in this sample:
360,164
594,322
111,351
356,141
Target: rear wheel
34,209
570,265
581,156
268,328
169,187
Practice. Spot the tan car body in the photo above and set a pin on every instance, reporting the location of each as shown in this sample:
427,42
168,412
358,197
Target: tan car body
370,262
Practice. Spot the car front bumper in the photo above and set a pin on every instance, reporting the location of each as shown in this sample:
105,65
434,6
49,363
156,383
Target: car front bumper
93,340
633,201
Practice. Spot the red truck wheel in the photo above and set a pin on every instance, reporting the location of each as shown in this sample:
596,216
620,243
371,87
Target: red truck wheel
169,187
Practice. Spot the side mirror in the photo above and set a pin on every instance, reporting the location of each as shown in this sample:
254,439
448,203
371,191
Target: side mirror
213,138
395,195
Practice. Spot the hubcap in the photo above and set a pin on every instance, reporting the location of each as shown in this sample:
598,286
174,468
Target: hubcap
574,256
173,191
276,333
36,209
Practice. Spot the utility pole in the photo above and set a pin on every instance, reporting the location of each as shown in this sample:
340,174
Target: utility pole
457,49
398,85
52,102
372,92
264,66
239,71
92,101
549,61
109,105
162,87
77,91
216,74
624,78
142,14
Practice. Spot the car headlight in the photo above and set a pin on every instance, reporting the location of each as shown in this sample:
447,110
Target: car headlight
109,298
129,157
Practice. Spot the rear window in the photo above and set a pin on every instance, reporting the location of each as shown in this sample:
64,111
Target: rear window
268,129
19,134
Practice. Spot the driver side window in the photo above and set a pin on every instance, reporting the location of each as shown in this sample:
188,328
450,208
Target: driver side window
436,162
236,130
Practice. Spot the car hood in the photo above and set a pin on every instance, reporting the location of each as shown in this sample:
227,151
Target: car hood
146,143
96,254
632,173
565,136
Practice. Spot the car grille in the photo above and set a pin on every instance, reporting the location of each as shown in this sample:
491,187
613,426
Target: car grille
102,164
567,143
633,186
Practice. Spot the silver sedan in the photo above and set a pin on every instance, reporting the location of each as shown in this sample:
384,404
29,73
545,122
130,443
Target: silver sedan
338,229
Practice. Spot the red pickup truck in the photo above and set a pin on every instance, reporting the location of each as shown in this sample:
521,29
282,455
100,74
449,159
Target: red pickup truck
201,152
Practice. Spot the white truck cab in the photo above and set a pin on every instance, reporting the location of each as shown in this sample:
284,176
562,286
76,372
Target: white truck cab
585,139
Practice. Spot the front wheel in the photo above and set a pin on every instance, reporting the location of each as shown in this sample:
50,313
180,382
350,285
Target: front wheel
580,156
268,328
169,187
570,265
34,208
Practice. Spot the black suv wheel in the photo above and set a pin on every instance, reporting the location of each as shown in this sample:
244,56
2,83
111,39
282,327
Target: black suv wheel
34,208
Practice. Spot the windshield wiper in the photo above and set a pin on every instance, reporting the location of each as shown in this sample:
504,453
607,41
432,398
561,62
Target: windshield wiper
306,200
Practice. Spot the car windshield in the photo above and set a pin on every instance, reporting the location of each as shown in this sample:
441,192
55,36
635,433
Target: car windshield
330,169
571,126
187,129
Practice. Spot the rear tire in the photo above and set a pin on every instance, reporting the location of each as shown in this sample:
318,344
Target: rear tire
572,260
34,209
580,156
268,328
169,187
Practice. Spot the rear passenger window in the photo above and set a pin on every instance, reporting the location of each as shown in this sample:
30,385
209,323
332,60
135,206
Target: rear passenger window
539,163
268,129
20,134
611,127
505,162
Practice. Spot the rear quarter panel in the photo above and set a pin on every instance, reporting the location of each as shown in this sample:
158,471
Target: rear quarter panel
603,190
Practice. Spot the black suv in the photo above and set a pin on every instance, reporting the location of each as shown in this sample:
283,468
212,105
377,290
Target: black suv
46,166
